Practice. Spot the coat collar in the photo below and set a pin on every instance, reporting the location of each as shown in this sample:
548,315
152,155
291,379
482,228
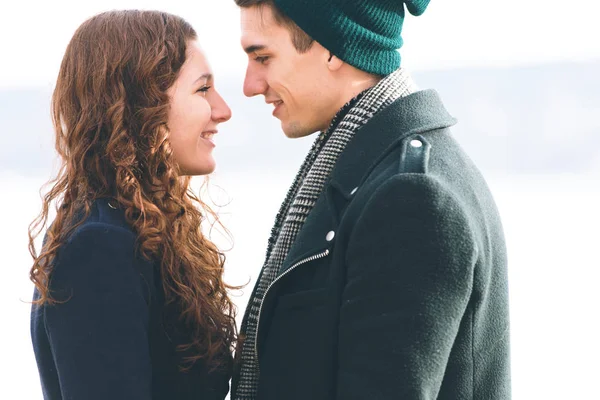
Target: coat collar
416,113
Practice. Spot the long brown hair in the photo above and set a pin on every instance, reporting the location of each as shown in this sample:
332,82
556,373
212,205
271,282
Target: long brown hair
109,110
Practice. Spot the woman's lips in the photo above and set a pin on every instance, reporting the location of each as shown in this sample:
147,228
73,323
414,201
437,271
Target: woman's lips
208,136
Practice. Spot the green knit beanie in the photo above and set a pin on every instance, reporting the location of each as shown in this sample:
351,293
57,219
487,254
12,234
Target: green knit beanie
363,33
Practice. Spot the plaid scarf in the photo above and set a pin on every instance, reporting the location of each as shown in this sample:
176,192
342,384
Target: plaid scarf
301,198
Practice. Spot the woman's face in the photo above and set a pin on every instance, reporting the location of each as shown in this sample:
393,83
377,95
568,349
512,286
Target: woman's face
196,109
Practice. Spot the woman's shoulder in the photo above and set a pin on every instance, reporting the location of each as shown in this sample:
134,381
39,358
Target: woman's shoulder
100,249
105,224
103,234
105,216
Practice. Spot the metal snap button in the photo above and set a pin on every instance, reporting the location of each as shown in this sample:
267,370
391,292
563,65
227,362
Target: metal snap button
416,143
330,236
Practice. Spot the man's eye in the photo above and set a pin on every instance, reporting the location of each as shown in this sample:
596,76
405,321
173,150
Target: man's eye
261,59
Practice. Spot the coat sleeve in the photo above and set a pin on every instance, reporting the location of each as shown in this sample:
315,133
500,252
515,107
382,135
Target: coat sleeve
410,262
99,336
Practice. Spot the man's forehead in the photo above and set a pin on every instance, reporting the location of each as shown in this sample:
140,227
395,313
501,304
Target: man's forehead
261,31
256,22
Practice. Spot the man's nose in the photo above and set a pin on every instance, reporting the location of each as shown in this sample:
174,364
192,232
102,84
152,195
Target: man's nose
254,83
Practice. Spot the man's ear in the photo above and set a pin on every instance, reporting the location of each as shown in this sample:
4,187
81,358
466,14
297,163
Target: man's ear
334,63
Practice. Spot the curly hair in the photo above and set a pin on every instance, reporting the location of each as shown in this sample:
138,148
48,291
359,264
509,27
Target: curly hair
109,110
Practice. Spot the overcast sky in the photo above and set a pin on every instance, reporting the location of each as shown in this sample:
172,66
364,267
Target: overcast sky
450,33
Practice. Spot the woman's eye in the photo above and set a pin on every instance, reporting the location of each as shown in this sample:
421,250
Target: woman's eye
203,90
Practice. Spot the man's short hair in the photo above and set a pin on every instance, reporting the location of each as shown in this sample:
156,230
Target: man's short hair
301,40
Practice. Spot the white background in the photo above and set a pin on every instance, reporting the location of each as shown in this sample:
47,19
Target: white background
552,233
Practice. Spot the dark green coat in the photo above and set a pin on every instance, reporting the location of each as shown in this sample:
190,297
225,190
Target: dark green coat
396,289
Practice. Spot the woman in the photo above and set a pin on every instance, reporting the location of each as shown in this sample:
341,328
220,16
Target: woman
129,300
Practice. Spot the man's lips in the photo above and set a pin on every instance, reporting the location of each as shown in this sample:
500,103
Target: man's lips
277,104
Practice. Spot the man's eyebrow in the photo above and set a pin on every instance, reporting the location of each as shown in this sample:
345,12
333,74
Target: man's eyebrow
254,47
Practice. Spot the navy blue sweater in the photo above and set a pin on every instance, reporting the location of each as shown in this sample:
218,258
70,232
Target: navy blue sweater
113,338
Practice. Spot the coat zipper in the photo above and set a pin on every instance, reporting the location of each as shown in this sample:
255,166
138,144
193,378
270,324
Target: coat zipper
303,261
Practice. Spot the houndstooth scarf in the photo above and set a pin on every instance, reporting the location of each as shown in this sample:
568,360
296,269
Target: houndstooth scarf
301,198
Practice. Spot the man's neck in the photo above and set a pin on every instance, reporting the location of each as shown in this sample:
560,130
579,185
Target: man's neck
356,87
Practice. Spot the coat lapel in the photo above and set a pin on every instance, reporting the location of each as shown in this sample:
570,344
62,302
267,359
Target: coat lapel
313,237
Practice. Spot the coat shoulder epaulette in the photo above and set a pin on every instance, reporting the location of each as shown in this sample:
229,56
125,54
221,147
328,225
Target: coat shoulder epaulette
414,154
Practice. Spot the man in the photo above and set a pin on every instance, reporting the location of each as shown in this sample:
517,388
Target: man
385,275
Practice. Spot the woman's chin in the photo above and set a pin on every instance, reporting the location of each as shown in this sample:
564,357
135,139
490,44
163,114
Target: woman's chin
206,168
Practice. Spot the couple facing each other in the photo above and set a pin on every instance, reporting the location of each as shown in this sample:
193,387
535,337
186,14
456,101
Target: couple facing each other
385,275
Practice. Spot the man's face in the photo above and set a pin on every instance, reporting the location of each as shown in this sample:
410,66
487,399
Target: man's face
299,86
